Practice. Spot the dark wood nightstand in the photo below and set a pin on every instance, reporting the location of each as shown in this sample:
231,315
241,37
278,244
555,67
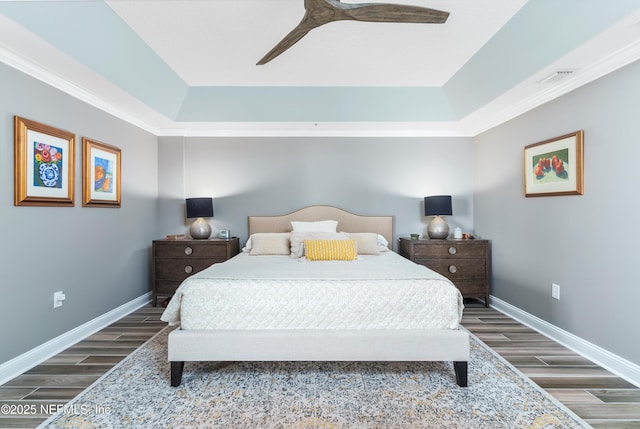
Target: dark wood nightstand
175,260
464,262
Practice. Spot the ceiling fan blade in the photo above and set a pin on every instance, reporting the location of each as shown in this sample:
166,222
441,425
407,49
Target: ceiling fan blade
289,40
394,13
317,13
320,12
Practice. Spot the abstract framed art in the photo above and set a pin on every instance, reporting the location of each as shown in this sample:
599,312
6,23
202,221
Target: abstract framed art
44,164
100,174
555,166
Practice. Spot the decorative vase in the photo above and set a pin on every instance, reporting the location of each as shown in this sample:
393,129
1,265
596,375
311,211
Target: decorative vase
438,228
200,229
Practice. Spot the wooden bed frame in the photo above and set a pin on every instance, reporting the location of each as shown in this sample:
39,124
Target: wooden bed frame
320,345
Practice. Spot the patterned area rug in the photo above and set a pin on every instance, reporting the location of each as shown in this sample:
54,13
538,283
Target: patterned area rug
137,394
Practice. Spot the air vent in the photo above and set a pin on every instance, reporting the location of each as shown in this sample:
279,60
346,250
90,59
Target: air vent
558,75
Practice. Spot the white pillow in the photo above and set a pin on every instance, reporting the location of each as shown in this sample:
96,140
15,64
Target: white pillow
383,241
318,226
282,236
297,240
367,242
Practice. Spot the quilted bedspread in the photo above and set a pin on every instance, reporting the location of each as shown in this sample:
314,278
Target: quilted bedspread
383,291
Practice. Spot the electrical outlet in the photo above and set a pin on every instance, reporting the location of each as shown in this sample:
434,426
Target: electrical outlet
58,298
555,291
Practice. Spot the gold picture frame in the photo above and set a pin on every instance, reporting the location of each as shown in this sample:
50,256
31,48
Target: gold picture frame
555,167
44,164
101,173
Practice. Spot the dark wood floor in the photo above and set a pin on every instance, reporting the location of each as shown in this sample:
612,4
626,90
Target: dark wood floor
602,399
599,397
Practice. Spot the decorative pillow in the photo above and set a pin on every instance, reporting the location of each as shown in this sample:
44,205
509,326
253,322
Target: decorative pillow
318,226
297,240
268,243
383,241
367,242
330,250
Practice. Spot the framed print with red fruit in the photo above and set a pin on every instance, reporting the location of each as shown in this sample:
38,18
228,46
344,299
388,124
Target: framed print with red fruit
44,164
555,166
100,174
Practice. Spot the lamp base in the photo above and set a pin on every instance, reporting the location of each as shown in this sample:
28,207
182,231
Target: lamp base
438,228
200,229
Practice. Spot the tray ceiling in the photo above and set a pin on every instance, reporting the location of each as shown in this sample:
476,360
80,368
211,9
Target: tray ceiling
180,67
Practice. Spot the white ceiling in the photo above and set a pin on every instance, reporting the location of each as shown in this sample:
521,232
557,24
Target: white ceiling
476,73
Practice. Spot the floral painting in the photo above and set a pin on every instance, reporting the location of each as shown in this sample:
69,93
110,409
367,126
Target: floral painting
47,165
554,167
44,164
100,174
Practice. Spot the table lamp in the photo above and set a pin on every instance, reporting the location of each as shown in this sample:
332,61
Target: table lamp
200,208
437,205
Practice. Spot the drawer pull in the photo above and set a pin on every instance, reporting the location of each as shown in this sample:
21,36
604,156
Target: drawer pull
453,269
188,250
188,269
452,250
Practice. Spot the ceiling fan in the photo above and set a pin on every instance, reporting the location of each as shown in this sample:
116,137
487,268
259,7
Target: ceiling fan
320,12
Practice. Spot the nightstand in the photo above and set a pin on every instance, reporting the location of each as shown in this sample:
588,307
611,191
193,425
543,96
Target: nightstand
175,260
464,262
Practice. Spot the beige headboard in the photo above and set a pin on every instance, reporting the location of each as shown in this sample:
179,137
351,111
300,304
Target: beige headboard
347,222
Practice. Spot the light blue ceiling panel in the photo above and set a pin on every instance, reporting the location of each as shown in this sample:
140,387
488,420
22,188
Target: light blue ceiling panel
539,34
315,104
93,34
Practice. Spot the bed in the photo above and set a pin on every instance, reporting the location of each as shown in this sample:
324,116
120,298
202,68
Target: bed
273,302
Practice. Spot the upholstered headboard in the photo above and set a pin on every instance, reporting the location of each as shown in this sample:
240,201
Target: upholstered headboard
347,222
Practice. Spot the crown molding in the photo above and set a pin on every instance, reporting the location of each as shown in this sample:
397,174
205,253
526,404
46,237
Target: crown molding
316,129
519,100
507,107
40,73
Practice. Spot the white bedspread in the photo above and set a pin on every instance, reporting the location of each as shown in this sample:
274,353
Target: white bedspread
383,291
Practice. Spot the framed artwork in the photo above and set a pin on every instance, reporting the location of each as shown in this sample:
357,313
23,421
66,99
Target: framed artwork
44,164
100,174
555,166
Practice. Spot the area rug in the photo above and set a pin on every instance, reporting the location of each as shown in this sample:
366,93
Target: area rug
323,395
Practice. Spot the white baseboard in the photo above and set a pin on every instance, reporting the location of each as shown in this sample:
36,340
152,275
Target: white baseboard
607,360
20,364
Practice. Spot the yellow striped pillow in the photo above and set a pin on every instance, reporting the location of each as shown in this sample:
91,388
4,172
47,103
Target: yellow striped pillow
330,250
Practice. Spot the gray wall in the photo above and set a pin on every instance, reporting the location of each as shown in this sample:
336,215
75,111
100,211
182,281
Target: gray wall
587,244
99,257
265,176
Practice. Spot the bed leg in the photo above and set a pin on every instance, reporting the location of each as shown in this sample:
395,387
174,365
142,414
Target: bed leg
176,373
461,373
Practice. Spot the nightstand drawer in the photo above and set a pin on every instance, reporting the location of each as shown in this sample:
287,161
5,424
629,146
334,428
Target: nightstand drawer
456,269
180,269
471,288
166,287
465,262
194,250
449,250
175,260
